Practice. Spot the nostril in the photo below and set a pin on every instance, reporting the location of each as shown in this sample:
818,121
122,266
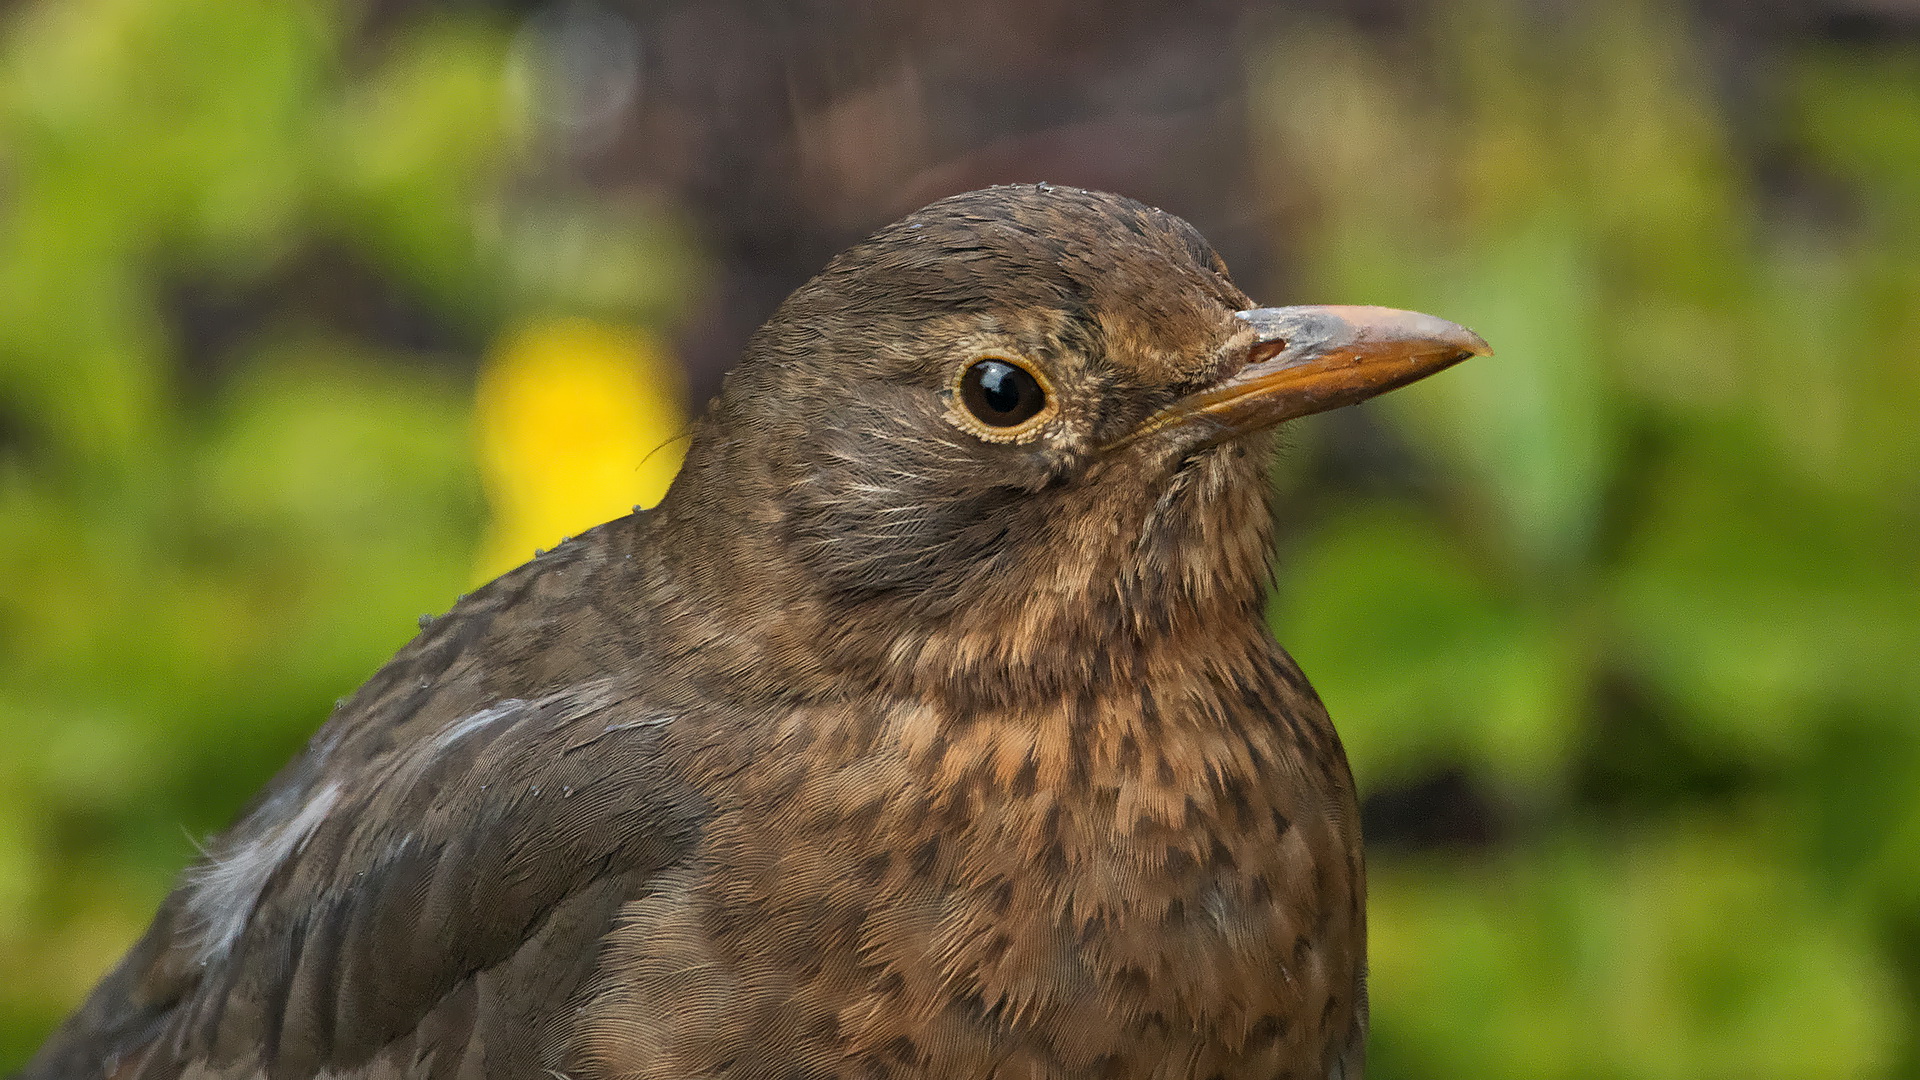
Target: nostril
1266,350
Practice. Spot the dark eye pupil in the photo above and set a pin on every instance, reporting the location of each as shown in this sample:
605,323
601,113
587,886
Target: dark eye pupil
1000,394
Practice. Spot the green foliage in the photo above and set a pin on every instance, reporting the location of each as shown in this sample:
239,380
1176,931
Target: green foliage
1696,952
1665,590
197,562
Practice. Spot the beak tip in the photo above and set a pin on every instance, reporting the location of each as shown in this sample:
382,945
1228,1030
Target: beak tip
1445,333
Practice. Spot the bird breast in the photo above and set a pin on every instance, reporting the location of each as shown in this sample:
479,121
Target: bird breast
1146,884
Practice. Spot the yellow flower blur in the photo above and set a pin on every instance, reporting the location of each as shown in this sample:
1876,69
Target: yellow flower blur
578,422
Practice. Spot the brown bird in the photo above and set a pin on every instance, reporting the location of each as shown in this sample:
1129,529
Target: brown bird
930,727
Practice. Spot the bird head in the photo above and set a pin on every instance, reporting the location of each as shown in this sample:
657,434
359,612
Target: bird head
1026,413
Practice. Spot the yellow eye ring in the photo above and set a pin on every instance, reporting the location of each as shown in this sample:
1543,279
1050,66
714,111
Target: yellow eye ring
1003,399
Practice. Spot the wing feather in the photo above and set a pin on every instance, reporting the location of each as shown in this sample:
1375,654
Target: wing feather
429,911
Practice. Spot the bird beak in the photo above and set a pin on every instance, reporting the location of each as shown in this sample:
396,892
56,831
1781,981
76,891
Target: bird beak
1297,361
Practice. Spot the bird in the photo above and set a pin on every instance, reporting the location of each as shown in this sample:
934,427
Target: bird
929,727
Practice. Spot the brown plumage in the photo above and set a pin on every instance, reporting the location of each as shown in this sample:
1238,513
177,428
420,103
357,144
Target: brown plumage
910,736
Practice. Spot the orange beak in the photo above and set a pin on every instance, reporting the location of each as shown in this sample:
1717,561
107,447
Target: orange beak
1304,360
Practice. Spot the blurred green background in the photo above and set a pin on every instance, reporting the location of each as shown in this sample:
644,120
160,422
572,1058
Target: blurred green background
312,315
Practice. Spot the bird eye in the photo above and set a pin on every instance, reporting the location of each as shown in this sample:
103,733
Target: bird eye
1001,394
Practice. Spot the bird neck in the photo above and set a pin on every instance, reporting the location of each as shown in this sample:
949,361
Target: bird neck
1125,576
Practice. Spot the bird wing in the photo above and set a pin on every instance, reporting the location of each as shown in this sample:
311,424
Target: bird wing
417,895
